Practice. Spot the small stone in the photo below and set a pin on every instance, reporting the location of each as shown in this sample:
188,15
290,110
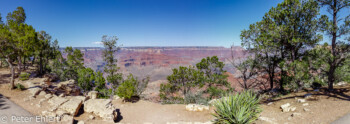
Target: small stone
31,104
301,100
293,109
91,117
285,107
81,122
92,94
296,114
305,109
270,103
305,104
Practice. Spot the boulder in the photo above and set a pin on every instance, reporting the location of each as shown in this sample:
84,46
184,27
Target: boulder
82,98
102,108
65,83
42,93
34,91
195,107
92,94
57,101
48,96
30,84
72,106
286,107
60,113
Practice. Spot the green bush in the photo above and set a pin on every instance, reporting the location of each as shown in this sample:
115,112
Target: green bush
19,86
24,76
127,89
241,108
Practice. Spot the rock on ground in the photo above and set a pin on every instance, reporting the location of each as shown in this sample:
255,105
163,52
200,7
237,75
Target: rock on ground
72,106
57,101
92,94
286,107
101,107
195,107
34,91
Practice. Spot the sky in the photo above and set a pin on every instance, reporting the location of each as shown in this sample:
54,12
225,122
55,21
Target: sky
82,23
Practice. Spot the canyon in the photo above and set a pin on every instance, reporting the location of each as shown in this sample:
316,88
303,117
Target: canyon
157,62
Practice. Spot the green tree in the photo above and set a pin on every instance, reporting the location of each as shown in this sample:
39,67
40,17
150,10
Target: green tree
86,79
284,33
214,75
43,49
182,79
73,63
111,67
8,49
127,89
23,35
336,31
100,81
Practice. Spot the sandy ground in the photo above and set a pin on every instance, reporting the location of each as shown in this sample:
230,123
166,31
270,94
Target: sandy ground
324,109
133,113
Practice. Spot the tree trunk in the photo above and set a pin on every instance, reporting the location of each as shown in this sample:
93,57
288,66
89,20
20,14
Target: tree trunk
12,81
40,64
334,54
19,65
271,80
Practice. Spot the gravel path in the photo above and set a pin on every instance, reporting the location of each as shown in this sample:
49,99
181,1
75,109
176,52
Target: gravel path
11,113
343,120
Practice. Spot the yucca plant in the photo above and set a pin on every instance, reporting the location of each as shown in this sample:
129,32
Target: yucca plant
240,108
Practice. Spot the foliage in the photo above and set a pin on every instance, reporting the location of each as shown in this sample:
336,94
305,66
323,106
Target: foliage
182,80
24,76
127,89
214,75
240,108
100,81
19,86
132,87
86,79
111,67
338,32
282,37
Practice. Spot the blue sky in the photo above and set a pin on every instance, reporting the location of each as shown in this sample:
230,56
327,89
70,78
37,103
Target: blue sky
80,23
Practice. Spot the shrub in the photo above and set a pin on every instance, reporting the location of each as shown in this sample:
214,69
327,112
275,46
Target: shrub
19,86
86,78
127,89
241,108
24,76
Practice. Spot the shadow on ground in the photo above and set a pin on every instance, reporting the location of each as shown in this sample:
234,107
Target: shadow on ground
3,104
342,93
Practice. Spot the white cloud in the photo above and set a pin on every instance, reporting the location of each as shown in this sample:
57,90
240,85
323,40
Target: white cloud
98,43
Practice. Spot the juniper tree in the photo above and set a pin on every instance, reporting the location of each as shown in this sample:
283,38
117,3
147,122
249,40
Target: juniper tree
337,31
284,33
111,68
